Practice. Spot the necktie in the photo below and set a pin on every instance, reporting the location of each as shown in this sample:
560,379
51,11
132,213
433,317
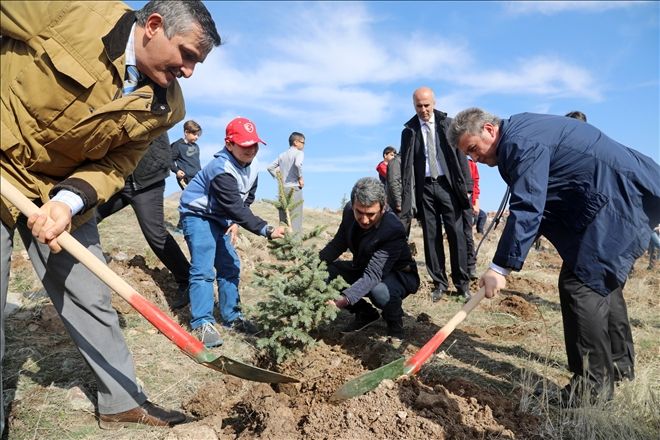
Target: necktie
131,80
432,155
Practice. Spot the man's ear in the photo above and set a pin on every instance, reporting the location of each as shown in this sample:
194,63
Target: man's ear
153,25
490,128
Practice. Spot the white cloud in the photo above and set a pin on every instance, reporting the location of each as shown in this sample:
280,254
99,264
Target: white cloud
544,76
344,164
556,7
334,68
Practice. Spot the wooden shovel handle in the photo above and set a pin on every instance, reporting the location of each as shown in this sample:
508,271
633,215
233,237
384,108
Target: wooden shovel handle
166,325
413,364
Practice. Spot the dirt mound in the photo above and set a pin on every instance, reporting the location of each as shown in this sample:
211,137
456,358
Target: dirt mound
517,306
403,409
155,284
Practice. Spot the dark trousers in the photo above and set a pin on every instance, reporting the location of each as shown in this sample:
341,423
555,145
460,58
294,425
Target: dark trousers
596,332
440,208
481,221
387,295
148,206
468,222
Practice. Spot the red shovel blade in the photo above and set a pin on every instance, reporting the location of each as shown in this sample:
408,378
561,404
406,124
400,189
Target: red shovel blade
368,381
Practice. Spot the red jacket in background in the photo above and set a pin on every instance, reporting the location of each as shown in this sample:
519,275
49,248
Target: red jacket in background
475,178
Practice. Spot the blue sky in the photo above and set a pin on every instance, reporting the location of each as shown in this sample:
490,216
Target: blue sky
343,74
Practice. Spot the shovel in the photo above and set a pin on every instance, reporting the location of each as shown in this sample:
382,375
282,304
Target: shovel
166,325
400,367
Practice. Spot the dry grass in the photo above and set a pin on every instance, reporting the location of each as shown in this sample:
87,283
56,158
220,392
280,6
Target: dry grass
495,349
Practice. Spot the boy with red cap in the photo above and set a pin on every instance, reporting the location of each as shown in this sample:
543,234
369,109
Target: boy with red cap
215,202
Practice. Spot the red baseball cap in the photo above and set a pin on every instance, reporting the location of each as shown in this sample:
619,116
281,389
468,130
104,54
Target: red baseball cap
242,132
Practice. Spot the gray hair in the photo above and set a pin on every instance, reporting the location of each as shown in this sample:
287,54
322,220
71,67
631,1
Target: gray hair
367,191
179,17
470,121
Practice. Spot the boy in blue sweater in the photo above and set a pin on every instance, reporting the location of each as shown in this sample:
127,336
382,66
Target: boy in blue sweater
215,202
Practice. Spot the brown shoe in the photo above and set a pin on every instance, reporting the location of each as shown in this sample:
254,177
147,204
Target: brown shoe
146,414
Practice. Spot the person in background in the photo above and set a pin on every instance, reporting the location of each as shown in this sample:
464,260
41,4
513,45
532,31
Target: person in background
577,115
185,154
388,154
435,180
213,205
289,166
394,190
86,87
654,247
144,191
382,268
481,221
594,199
469,216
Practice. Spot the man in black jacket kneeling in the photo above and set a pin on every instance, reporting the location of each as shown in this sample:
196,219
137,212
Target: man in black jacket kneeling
382,268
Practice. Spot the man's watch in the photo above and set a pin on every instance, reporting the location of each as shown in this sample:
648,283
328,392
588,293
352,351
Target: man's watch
269,232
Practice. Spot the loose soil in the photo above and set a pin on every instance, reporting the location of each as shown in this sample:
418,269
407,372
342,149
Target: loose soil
469,389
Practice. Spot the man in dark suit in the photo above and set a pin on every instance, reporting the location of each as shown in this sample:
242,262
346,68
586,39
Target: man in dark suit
594,199
435,178
382,268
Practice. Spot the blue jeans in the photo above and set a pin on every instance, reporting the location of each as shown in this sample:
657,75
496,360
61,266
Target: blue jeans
212,256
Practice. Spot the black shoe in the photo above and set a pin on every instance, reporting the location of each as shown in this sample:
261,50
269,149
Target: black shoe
361,321
438,293
242,325
182,297
395,329
580,393
465,295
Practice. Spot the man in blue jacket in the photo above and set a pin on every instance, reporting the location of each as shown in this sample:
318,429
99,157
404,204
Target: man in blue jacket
382,268
594,200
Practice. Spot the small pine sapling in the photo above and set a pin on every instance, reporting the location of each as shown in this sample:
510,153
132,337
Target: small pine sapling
298,293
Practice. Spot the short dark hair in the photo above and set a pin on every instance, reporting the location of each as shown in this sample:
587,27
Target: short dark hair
295,136
577,115
389,149
367,191
192,127
179,18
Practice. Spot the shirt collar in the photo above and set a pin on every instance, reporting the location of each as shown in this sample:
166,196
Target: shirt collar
431,121
130,48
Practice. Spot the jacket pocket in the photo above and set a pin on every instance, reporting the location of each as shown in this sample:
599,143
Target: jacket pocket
47,86
594,202
584,206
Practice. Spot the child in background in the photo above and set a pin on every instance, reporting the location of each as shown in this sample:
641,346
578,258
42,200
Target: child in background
212,207
388,154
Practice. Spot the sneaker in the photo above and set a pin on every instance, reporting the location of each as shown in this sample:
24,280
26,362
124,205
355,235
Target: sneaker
242,325
360,322
209,335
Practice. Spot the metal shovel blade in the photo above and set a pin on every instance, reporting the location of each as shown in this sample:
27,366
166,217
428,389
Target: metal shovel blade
166,325
244,371
369,381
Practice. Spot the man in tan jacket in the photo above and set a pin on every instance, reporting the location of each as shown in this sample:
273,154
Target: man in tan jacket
73,125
